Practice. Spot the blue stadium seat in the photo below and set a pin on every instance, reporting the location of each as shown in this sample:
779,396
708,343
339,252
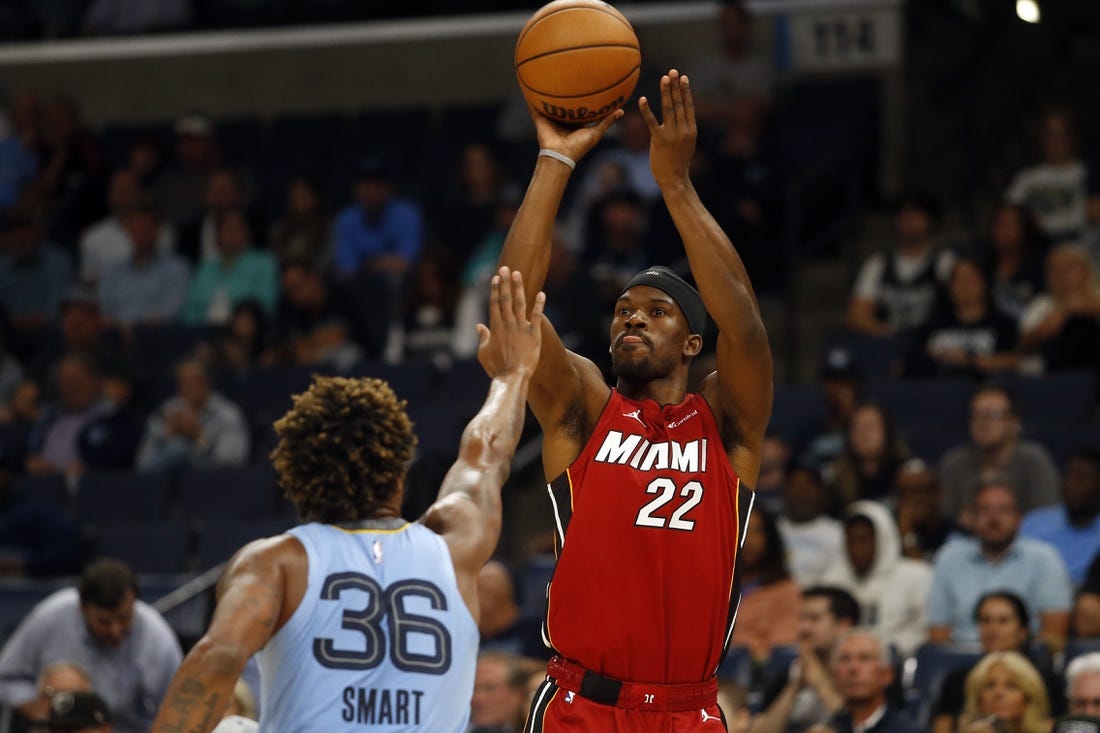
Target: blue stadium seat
465,383
933,662
240,493
1066,398
1077,647
147,547
875,357
437,427
1062,440
414,380
737,666
266,393
942,402
930,442
110,497
219,538
796,410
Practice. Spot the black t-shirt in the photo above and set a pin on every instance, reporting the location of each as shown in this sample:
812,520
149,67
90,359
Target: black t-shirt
994,334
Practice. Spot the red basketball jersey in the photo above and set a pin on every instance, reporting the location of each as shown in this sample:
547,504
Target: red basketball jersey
650,517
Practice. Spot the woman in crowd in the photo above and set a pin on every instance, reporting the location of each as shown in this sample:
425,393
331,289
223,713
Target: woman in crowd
967,336
873,452
768,614
1062,326
1014,248
1004,694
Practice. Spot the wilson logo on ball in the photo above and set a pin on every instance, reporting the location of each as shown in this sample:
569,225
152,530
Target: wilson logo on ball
580,114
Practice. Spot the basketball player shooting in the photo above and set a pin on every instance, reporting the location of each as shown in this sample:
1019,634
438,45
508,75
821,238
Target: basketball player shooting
361,619
649,483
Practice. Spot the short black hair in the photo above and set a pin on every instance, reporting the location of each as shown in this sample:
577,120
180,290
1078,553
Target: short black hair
105,583
842,605
922,201
1023,616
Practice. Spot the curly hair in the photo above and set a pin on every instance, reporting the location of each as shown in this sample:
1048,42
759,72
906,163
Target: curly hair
343,448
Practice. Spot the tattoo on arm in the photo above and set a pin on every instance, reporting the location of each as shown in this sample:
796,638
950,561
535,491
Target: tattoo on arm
190,700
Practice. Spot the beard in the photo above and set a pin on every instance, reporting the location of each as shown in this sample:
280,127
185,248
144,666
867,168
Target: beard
642,370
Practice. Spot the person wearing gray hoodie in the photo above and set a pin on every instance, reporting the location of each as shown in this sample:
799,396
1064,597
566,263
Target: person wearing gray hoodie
892,590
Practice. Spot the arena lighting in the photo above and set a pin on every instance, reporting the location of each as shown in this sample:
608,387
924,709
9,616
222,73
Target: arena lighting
1028,11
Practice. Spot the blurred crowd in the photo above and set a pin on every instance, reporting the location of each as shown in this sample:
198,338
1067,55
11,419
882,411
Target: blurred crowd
988,547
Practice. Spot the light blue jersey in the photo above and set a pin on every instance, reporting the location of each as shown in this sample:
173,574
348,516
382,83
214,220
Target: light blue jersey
382,640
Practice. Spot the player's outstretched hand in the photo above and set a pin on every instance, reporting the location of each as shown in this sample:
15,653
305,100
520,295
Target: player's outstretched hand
574,142
672,140
511,341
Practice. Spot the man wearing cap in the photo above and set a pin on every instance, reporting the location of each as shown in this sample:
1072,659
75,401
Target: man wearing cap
179,190
650,484
379,232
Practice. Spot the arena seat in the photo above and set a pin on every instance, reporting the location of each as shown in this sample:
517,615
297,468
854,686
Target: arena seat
157,347
796,410
110,497
413,380
1077,647
930,442
218,537
1062,440
266,393
1067,397
437,428
933,662
941,402
148,547
241,493
51,488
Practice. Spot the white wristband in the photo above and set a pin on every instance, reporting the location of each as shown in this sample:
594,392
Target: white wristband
558,156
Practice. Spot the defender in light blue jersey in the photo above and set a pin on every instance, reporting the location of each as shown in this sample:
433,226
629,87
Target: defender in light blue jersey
364,621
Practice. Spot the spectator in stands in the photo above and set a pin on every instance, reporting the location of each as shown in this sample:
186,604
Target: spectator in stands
807,695
1004,624
576,303
79,712
873,453
82,330
304,231
57,677
180,188
1005,693
1054,190
198,427
813,539
34,274
892,590
500,693
842,387
768,614
239,272
69,182
224,192
733,701
379,232
1062,325
321,323
1014,246
775,456
242,344
149,287
18,165
144,161
107,243
737,76
1086,607
622,167
996,557
467,210
53,445
862,673
616,245
1072,527
967,335
427,326
923,526
38,538
11,371
895,292
500,624
1083,684
996,451
126,647
110,441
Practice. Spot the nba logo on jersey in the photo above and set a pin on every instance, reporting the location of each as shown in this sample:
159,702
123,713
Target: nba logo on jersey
569,697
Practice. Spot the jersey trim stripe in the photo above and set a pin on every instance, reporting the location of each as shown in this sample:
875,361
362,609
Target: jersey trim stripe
543,696
402,528
743,515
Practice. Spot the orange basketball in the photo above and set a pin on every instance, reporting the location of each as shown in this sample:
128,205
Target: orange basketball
577,60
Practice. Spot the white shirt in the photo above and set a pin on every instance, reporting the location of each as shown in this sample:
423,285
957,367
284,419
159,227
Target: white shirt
1055,195
106,244
812,547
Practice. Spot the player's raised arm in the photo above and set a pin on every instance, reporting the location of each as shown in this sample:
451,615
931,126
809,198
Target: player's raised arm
527,246
467,511
741,390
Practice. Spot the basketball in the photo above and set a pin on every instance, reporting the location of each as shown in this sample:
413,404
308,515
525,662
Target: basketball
577,61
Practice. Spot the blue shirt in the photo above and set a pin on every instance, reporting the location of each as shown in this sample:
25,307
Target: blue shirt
132,678
382,640
153,290
1030,569
398,231
1076,545
36,284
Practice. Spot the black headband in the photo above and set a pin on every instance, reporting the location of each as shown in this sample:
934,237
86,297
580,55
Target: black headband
687,297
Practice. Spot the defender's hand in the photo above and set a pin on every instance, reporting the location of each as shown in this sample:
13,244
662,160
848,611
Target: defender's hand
573,142
511,342
671,141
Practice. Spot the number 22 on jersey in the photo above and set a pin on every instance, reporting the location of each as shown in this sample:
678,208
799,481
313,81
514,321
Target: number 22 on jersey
692,493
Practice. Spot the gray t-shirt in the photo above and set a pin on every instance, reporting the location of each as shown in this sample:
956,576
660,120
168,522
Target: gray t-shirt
1029,470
